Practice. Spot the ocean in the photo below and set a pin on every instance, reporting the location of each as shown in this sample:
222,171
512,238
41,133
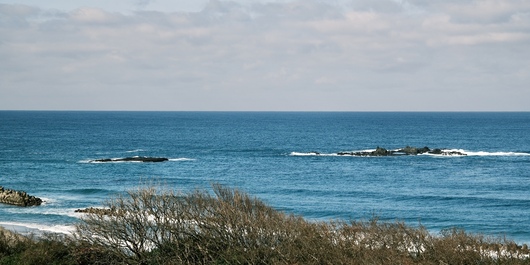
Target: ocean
289,160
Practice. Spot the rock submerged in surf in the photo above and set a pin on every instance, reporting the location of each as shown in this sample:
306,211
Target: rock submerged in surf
408,150
132,159
93,210
18,198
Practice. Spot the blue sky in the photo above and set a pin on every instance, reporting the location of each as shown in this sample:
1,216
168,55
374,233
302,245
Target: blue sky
367,55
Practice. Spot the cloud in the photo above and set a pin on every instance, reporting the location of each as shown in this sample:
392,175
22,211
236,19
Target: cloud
486,11
143,3
276,55
92,15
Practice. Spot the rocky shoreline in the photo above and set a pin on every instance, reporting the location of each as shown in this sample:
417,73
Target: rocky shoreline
18,198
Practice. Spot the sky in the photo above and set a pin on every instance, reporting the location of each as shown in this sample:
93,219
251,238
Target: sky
265,55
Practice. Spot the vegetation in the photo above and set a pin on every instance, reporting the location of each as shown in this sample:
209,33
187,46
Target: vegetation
152,226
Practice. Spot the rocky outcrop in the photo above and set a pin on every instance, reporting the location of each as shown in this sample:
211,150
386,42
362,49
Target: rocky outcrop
93,210
446,153
415,151
379,151
132,159
19,198
408,150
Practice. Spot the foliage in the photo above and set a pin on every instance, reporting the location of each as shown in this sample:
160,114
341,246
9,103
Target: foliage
226,226
48,249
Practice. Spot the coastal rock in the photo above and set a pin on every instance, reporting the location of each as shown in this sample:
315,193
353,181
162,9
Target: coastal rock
93,210
132,159
439,151
436,151
452,153
408,150
414,151
18,198
380,152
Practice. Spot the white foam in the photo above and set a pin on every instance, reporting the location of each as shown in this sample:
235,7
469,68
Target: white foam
135,151
43,210
311,154
46,201
70,212
445,153
112,160
366,151
482,153
181,159
93,161
304,154
32,227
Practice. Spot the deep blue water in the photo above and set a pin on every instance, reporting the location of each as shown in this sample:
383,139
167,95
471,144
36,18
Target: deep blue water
267,154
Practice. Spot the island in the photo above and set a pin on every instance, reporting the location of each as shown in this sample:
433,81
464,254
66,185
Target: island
379,151
131,159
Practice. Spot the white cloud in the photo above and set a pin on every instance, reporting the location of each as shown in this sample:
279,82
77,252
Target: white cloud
268,55
486,11
91,15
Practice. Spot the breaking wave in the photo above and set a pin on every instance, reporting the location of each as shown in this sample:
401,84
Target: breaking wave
31,228
135,151
181,159
118,160
457,153
484,153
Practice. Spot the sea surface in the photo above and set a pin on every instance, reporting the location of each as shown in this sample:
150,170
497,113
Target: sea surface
287,159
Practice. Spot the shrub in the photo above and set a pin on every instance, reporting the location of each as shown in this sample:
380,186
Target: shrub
45,249
151,226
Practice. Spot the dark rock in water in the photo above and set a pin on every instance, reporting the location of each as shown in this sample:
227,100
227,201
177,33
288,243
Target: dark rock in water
453,153
380,152
414,151
133,159
92,210
19,198
436,151
425,149
408,150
